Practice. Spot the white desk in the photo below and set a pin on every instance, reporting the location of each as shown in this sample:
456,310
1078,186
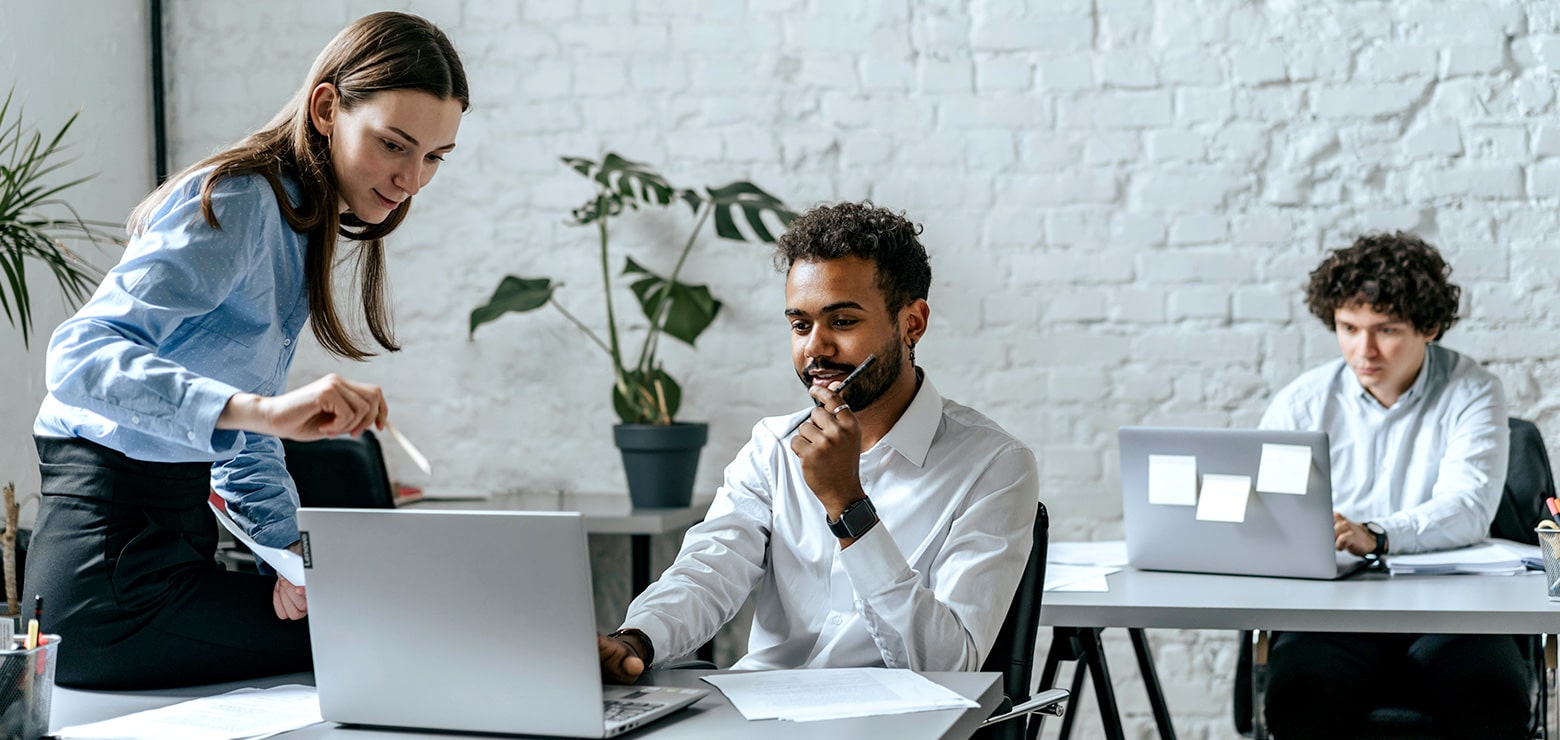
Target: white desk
1370,602
712,718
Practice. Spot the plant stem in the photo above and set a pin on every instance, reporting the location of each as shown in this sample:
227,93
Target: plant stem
581,325
647,353
619,376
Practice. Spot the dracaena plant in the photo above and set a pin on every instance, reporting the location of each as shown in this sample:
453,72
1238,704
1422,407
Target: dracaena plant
642,391
35,221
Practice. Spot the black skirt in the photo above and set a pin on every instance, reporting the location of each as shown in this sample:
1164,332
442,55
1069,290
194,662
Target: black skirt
123,554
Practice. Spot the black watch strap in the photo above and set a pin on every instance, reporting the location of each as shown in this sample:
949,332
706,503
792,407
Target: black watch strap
644,639
1381,539
857,518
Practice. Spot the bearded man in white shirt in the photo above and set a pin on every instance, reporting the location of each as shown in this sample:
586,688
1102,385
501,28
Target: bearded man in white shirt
1419,444
891,528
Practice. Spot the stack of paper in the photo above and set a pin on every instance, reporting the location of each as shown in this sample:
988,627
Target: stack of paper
1492,558
812,694
1082,566
237,715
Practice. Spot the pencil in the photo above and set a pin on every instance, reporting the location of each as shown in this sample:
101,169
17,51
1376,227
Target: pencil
863,366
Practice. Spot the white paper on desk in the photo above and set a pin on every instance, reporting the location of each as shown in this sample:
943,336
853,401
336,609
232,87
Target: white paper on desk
1095,585
289,565
1284,469
1172,480
1104,552
1223,498
1058,575
810,694
237,715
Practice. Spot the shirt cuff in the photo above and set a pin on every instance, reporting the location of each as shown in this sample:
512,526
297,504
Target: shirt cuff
196,419
657,632
873,562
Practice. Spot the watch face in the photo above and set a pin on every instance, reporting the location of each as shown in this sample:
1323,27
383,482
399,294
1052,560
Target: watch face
1375,528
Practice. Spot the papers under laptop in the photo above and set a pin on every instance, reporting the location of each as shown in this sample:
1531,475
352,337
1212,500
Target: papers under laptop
1235,501
468,621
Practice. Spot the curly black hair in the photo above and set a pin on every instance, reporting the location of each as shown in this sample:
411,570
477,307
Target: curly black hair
1397,274
830,232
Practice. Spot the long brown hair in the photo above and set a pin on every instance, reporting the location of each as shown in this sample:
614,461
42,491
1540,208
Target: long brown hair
379,52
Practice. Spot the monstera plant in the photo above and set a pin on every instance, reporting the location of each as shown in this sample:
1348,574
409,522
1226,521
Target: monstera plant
659,454
642,391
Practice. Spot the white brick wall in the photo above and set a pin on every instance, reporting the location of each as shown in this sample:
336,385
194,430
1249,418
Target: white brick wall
1121,197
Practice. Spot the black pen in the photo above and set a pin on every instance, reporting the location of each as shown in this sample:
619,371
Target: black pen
864,365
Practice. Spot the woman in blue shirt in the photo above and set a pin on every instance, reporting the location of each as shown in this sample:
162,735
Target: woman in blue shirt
171,381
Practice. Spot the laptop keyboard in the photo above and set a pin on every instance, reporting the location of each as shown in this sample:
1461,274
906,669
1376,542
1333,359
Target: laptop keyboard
619,711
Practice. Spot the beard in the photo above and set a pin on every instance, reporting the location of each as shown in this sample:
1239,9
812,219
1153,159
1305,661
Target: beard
873,382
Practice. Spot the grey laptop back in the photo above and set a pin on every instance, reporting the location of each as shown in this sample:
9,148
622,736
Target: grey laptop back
1282,534
453,620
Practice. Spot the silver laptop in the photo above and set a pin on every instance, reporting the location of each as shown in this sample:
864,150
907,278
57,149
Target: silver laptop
463,620
1280,534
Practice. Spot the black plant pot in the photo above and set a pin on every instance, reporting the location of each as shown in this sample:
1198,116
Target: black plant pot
661,461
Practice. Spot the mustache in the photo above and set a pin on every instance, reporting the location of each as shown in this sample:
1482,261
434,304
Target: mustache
821,364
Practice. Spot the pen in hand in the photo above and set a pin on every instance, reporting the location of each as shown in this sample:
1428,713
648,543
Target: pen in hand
852,376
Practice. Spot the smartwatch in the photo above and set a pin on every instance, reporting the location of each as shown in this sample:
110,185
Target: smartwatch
1381,539
855,520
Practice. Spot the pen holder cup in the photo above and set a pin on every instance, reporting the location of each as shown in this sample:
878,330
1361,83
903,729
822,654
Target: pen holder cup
1549,545
26,686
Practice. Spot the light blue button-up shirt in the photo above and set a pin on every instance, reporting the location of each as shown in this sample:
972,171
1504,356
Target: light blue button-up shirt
1430,469
189,317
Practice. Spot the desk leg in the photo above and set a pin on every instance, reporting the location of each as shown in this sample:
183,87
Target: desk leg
639,560
1551,658
1094,658
1081,644
1156,695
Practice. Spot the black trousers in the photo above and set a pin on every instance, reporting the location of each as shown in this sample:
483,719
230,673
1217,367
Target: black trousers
123,555
1323,685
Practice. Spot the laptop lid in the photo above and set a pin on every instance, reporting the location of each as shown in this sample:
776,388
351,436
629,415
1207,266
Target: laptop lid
454,620
1276,534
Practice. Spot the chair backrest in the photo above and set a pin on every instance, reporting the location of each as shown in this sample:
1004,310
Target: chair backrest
340,473
1529,481
1013,652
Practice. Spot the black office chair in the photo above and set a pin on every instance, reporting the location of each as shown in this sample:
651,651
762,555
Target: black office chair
341,473
1013,652
1529,480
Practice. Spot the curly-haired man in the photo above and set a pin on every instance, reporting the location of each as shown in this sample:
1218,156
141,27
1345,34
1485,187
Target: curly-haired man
883,526
1418,442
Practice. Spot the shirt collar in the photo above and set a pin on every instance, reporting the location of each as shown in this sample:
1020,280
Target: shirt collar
911,436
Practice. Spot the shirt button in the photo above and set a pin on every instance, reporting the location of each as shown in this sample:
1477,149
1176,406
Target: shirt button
189,435
286,342
839,620
135,420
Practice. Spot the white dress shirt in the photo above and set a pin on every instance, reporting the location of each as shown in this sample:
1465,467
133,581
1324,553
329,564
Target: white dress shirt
1430,469
926,589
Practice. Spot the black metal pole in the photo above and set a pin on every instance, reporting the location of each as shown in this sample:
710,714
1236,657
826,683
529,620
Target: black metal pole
159,106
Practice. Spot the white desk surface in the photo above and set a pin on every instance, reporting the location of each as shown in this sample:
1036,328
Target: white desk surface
1369,602
712,718
604,514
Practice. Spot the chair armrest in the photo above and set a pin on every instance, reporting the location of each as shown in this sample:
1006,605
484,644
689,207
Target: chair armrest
1052,702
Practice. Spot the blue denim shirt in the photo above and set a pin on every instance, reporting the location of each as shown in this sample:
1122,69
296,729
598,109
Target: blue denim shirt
189,317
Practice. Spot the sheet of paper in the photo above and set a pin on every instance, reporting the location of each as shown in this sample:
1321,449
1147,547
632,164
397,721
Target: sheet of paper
1224,498
812,694
236,715
289,565
1102,552
1097,585
1058,575
1284,469
1172,480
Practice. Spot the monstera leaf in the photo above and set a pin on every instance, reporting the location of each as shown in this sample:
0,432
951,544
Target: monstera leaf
620,183
514,295
646,398
691,308
751,203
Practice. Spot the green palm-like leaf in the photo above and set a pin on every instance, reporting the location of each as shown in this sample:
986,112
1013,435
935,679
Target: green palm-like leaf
691,310
641,399
513,295
751,202
25,160
621,183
